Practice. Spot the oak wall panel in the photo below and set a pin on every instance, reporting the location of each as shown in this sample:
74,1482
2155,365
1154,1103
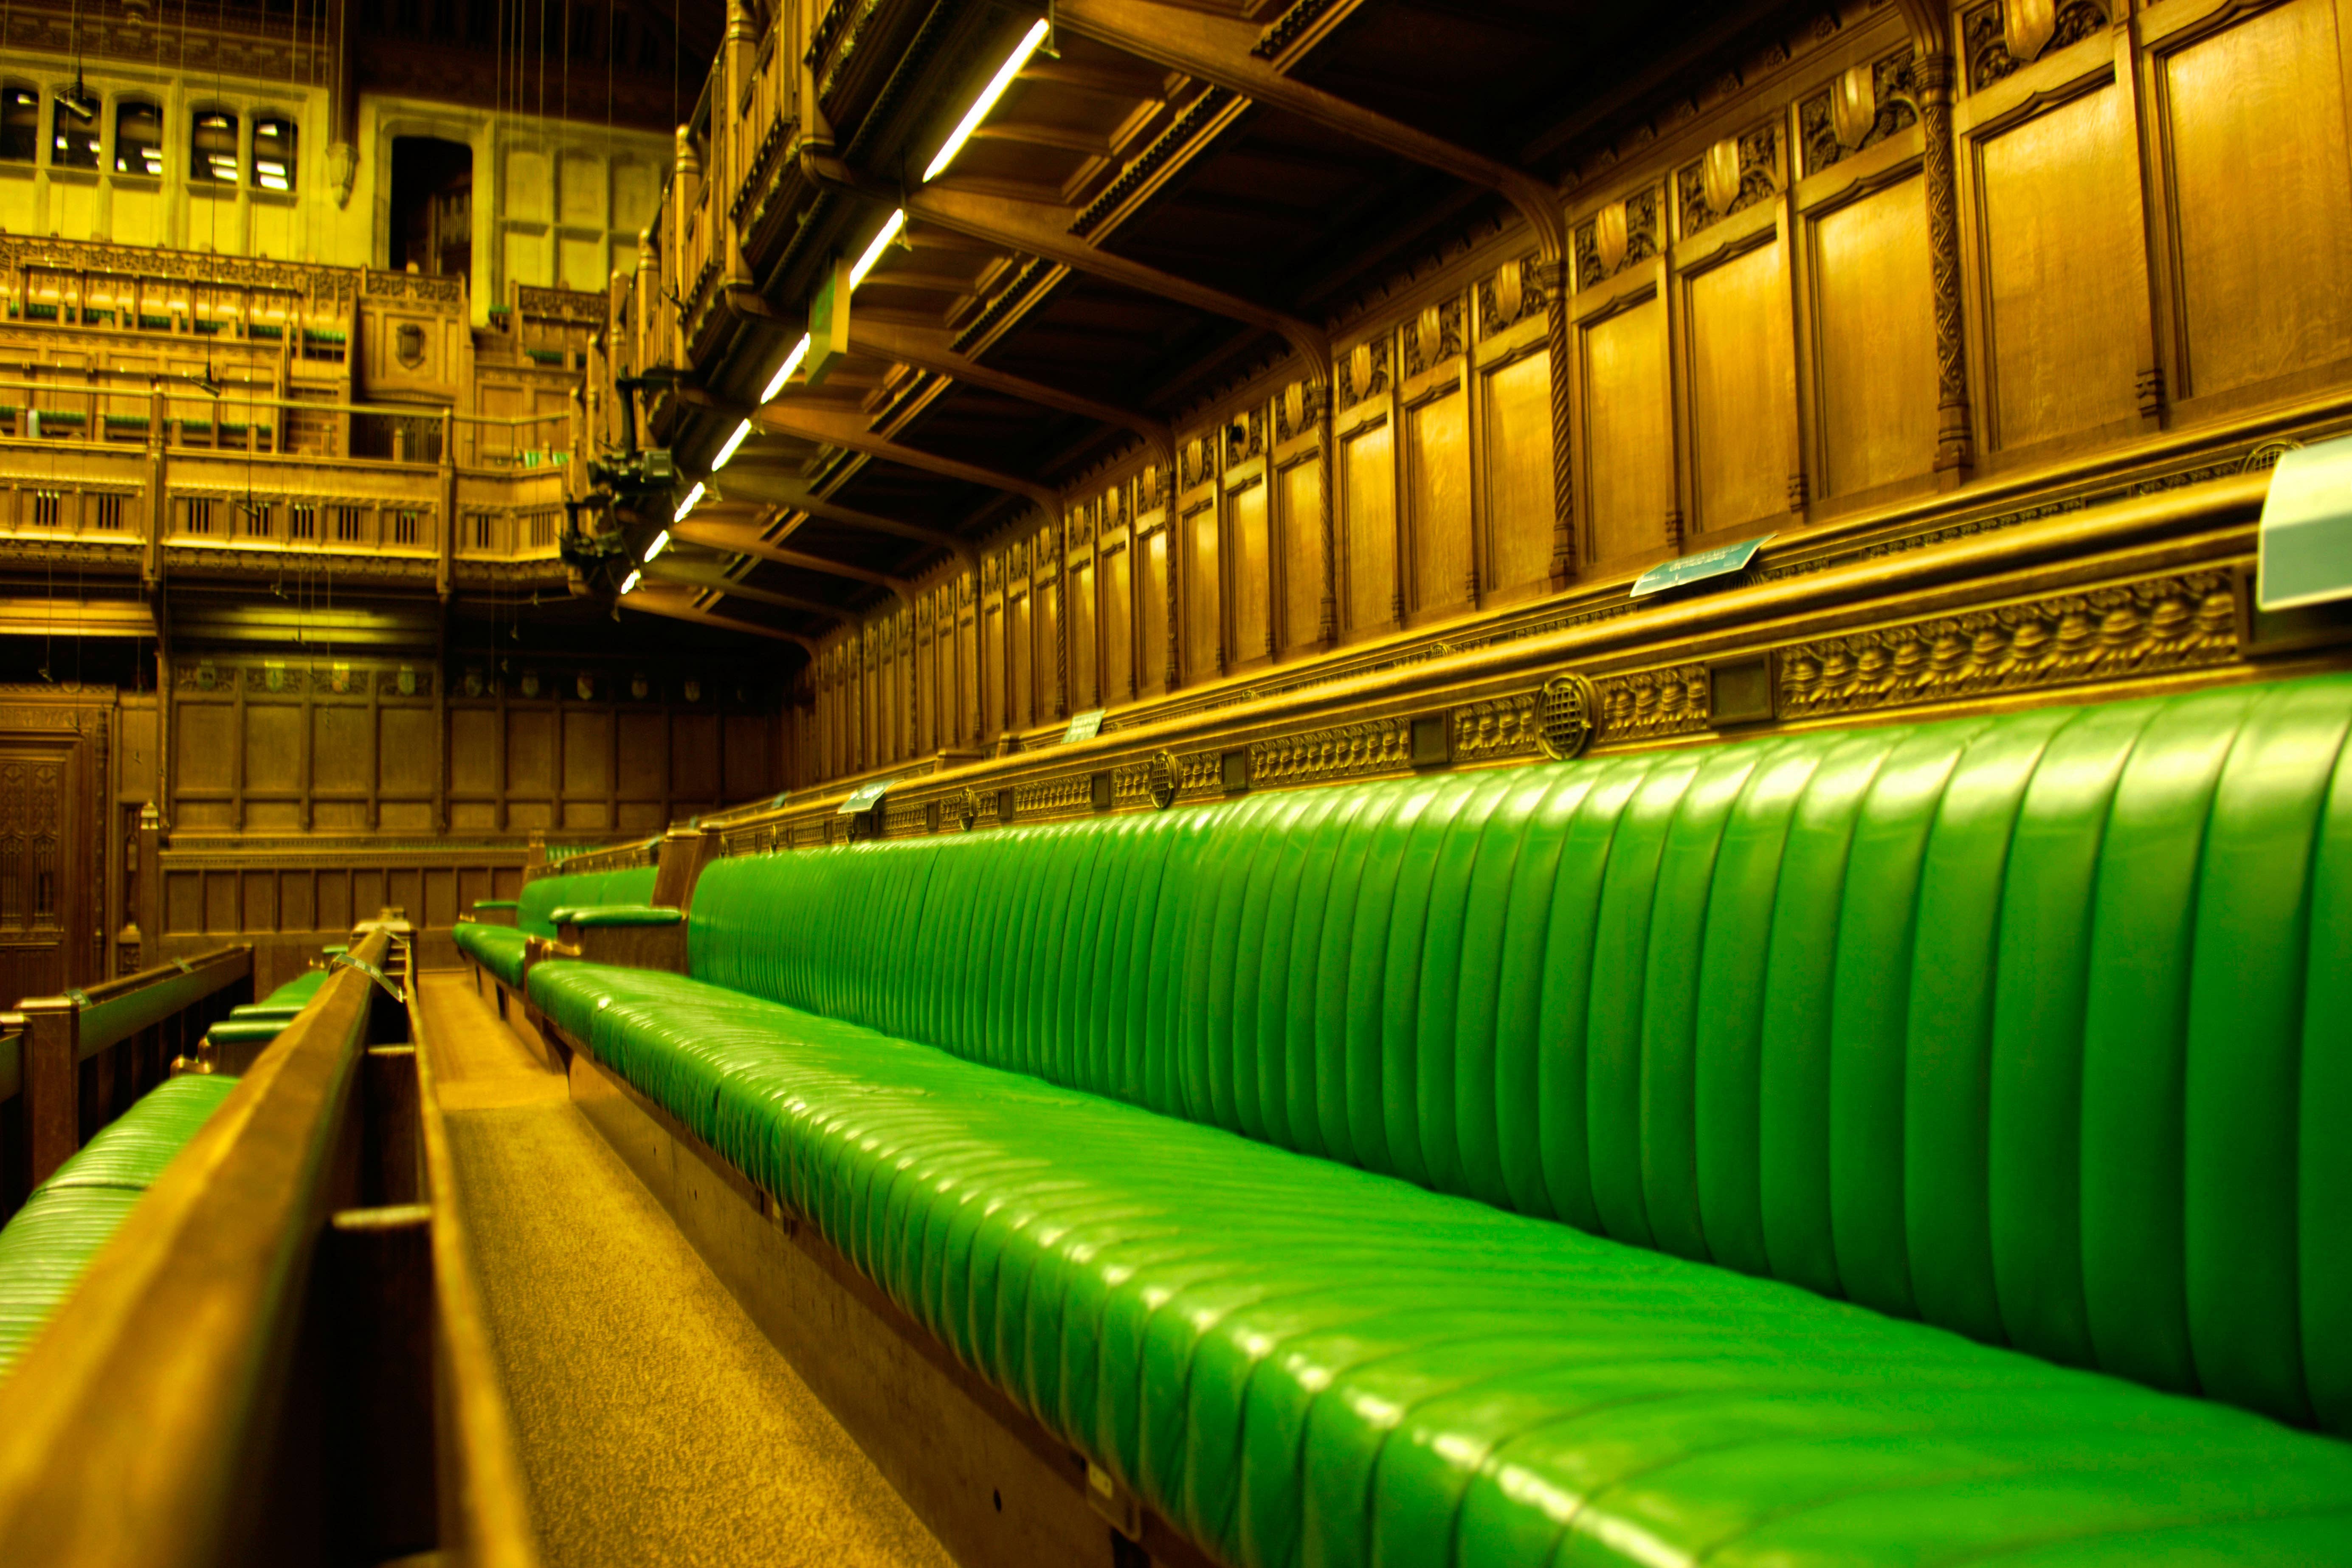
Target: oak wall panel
2263,195
1085,689
531,751
1202,605
587,752
2065,269
1877,333
1519,473
1437,508
1046,600
1368,492
1020,641
643,755
1743,389
1299,487
1151,599
273,746
205,756
1253,573
750,770
991,672
1118,627
474,751
412,753
1628,447
341,753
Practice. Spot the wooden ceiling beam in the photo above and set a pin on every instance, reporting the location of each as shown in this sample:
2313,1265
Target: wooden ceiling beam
772,488
1043,229
666,570
847,429
929,349
1217,49
678,605
745,539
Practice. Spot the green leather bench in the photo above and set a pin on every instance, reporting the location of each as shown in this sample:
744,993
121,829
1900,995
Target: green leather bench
500,947
1924,1142
295,993
68,1217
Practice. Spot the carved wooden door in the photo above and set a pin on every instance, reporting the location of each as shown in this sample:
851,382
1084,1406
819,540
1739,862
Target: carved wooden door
39,902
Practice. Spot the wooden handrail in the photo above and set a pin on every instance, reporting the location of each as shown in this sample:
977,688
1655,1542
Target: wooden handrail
147,1417
59,1034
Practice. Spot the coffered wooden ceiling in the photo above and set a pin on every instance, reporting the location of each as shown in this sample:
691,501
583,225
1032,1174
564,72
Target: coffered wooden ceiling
1176,197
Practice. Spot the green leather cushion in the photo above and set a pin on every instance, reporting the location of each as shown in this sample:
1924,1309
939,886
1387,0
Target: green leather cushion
497,949
1301,1363
68,1217
2029,1027
543,896
254,1011
246,1030
297,992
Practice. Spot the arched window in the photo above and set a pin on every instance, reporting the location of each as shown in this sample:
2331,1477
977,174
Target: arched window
273,153
138,138
212,152
73,128
20,124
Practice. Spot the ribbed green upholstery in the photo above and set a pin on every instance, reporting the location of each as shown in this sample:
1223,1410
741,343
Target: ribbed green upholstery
500,949
2033,1029
69,1217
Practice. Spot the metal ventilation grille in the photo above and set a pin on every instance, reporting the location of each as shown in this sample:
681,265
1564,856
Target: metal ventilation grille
1565,711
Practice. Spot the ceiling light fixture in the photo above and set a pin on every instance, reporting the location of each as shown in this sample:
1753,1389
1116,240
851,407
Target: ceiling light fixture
693,499
881,243
784,370
727,453
660,543
635,578
995,90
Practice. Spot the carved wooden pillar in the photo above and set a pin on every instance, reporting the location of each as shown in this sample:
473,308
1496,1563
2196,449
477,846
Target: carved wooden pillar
1054,541
444,571
1556,281
739,53
158,505
1933,74
149,907
1175,552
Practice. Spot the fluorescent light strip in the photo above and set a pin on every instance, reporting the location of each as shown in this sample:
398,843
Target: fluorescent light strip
784,370
867,262
987,99
660,543
635,578
727,453
693,499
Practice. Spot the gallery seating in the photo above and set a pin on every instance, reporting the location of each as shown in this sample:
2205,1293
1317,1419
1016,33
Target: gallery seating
1824,1145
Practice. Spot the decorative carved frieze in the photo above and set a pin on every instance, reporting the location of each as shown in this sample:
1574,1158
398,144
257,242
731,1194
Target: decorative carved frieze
2159,624
1065,796
1860,108
1736,174
1652,704
1512,295
1145,165
1348,751
1621,235
2005,35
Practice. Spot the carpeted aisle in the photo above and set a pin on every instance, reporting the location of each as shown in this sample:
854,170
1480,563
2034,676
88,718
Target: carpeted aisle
658,1424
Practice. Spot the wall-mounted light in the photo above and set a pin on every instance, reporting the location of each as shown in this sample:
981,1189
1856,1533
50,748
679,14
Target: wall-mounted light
727,453
996,86
784,370
881,243
693,499
660,543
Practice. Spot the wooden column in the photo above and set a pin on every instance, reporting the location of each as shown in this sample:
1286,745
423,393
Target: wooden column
52,1070
1556,286
1934,73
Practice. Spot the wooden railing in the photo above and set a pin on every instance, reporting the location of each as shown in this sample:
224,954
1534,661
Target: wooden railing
241,1374
125,1032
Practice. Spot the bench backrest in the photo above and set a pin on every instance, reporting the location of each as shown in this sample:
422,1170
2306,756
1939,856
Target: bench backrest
2037,1027
542,896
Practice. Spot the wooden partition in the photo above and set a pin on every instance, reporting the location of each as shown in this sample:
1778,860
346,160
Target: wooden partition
242,1375
72,1063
